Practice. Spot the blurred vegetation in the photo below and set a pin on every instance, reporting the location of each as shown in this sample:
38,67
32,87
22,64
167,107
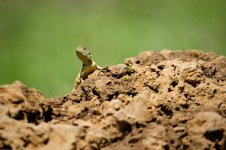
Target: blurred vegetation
37,38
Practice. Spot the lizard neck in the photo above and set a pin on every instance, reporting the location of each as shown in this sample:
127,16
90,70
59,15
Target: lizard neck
87,62
92,63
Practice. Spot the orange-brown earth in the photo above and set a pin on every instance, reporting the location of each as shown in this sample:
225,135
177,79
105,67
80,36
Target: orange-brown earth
166,100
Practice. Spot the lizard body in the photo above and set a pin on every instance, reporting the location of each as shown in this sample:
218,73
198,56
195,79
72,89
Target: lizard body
88,67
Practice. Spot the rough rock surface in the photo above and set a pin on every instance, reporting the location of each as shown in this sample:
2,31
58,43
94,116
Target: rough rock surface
166,100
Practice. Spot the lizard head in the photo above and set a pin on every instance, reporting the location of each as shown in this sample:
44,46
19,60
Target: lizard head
83,54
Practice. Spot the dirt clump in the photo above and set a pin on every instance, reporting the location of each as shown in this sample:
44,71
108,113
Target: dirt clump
165,100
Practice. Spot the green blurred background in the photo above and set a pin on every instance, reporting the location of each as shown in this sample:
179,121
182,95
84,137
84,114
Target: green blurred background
37,38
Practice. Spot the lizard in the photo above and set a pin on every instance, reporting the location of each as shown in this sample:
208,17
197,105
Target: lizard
88,66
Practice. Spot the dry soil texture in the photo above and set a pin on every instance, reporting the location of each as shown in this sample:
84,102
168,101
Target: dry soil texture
166,100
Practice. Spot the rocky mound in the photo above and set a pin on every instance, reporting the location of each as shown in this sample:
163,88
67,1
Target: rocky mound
166,100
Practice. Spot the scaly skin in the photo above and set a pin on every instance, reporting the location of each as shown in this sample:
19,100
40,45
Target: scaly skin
88,67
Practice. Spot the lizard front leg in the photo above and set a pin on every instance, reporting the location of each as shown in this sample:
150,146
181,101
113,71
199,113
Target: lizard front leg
78,80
